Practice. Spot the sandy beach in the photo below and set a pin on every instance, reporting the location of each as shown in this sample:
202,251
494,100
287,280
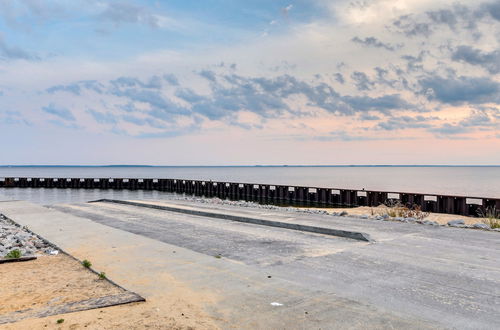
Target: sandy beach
56,280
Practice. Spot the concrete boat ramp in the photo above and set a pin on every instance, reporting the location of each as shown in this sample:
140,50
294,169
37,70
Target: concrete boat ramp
281,277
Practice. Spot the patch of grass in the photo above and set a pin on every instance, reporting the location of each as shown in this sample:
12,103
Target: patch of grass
491,216
86,263
218,256
396,209
60,321
102,276
14,254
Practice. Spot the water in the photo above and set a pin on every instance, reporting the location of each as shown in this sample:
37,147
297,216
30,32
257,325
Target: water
467,181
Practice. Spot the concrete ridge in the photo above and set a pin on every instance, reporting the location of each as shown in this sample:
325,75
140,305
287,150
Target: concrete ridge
360,236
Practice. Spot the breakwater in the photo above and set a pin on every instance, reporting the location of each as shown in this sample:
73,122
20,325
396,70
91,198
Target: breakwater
277,194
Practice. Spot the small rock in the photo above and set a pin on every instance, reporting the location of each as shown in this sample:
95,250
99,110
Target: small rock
38,244
343,213
364,216
456,223
379,217
430,223
480,226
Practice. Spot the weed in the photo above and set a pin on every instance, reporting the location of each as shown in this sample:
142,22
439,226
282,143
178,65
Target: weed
102,275
396,209
60,321
14,254
491,216
86,263
218,256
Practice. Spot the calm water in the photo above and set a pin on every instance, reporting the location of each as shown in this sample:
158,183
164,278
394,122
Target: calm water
469,181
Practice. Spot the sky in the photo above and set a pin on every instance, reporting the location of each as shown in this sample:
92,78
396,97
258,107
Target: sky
232,82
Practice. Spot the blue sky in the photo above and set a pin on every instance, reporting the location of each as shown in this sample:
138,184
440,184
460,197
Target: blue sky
250,82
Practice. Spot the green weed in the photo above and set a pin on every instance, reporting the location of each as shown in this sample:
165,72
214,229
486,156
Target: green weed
86,263
14,254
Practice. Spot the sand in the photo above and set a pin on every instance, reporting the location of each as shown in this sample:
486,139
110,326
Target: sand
61,279
441,218
49,279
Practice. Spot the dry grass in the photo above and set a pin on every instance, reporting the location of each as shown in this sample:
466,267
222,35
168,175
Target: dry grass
491,217
396,209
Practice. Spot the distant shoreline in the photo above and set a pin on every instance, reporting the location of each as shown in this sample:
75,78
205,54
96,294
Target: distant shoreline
209,166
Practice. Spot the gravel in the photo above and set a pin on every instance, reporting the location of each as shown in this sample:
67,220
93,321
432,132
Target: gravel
458,223
15,237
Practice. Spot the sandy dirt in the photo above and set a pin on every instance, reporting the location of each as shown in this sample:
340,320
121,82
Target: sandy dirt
61,279
49,279
441,218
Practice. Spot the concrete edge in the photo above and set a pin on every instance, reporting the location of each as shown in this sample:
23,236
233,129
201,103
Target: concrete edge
77,306
21,259
139,297
293,226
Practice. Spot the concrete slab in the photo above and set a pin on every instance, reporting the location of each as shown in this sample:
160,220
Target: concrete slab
234,216
242,293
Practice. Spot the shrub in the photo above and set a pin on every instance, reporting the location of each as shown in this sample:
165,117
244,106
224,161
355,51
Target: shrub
102,275
60,321
491,216
86,263
14,254
396,209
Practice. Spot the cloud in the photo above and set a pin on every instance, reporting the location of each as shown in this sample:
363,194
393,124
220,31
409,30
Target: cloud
443,16
414,63
339,77
147,104
77,87
122,12
462,89
408,25
361,81
493,9
286,10
448,129
342,135
374,42
72,88
60,112
14,53
189,95
485,119
171,79
13,118
63,124
154,82
404,122
367,116
382,104
488,60
103,117
456,17
160,106
207,74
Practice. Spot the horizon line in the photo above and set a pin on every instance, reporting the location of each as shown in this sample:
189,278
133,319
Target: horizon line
283,165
